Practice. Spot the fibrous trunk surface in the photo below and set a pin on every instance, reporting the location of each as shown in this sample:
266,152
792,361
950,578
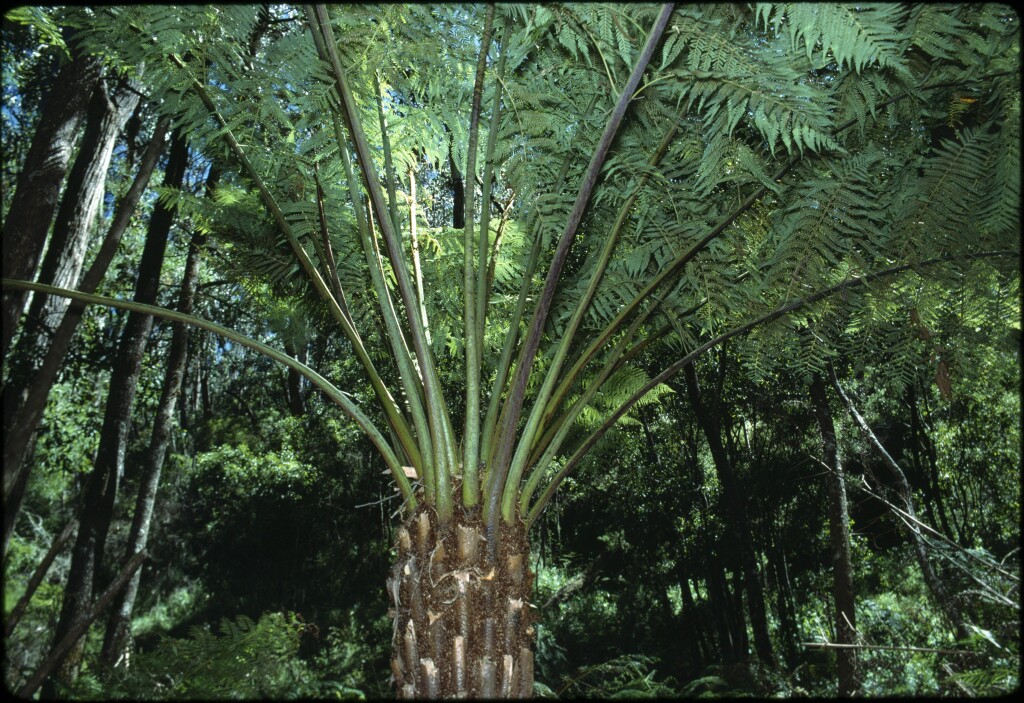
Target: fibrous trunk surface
462,622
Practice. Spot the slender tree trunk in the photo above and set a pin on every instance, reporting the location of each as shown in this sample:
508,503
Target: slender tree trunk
943,598
731,645
66,643
458,193
921,441
839,537
101,486
37,576
786,609
737,520
462,624
293,388
38,186
205,399
62,264
690,620
69,239
921,474
23,408
116,638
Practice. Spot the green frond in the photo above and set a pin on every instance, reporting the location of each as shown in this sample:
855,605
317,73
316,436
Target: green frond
729,80
854,36
835,213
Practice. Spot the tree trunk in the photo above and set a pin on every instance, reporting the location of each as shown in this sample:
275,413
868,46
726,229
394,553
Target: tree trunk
23,408
921,473
732,641
788,631
60,650
691,620
737,521
462,624
920,441
116,638
62,264
458,193
37,577
69,240
940,593
293,386
38,186
101,486
839,538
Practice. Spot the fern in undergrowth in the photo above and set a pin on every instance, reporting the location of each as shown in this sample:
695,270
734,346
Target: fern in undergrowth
246,659
627,676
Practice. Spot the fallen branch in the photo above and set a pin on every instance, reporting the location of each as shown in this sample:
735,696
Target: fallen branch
927,528
833,645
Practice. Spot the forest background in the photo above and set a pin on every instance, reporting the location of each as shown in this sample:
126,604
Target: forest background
778,246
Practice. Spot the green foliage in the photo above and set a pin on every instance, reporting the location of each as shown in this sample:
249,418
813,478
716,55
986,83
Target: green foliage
628,676
704,687
900,126
245,659
549,657
42,22
900,619
69,441
235,471
1000,679
167,612
351,659
854,36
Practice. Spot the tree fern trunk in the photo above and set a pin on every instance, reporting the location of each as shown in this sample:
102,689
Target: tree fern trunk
462,625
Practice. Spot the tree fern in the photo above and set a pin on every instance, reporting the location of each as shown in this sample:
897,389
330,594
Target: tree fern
776,164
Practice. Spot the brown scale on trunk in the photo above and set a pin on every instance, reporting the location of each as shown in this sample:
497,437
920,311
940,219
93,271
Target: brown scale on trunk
462,624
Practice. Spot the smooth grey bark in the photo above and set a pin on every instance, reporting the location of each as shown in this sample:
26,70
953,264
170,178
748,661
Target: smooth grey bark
738,523
839,539
37,189
23,407
117,635
943,598
101,485
62,265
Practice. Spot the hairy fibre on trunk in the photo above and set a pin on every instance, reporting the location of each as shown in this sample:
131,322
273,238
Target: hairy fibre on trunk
462,624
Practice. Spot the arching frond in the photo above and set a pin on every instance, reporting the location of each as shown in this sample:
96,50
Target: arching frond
854,36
